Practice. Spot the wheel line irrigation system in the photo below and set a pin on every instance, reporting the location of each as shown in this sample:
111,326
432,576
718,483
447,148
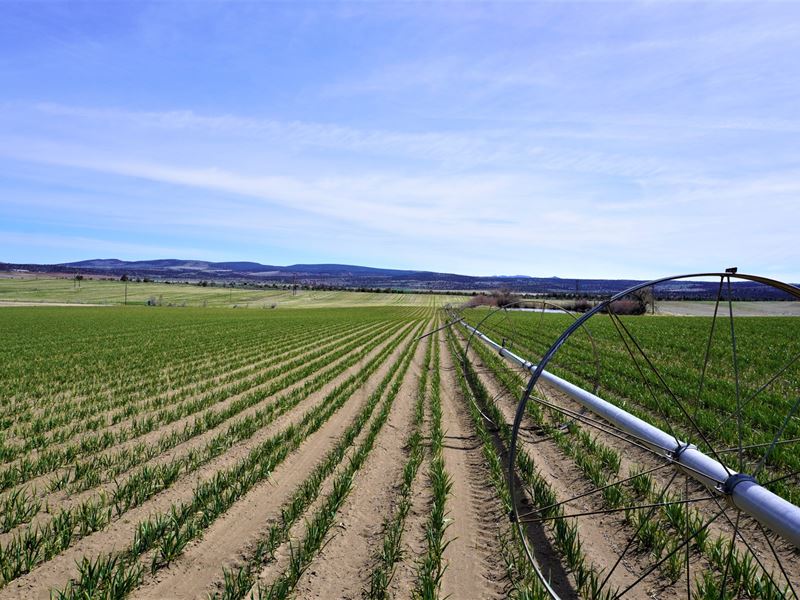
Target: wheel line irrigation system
739,490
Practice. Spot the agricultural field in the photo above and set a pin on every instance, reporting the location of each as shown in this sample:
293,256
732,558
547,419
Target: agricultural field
335,453
157,453
16,291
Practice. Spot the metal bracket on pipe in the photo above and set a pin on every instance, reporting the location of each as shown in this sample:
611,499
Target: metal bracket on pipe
734,480
730,484
680,449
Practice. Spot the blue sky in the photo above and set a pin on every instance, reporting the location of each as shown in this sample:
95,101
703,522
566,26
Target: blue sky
578,140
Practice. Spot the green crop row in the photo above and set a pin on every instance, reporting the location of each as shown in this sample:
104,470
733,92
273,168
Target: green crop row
41,543
237,583
320,523
167,533
432,566
393,526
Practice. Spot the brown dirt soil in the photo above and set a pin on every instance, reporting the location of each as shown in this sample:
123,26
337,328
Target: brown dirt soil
343,567
474,567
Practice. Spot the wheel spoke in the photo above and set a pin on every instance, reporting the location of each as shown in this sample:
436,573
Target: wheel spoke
753,396
730,555
783,478
739,427
603,426
738,532
685,537
708,345
777,559
608,511
638,530
624,436
596,490
788,418
619,326
764,445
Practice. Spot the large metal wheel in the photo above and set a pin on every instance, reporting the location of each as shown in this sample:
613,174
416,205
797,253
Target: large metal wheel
725,386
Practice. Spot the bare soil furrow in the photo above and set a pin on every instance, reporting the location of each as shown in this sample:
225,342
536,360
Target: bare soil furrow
342,568
474,568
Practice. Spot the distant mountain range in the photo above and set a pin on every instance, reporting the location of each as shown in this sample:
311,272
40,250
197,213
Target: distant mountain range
360,277
228,269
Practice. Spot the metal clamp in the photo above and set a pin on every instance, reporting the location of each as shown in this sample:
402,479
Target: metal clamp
734,480
679,449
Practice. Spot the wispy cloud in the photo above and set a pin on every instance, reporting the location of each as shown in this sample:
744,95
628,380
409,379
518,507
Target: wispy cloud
540,143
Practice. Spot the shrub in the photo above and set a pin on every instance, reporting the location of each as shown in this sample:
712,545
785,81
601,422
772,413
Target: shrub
496,298
580,306
627,306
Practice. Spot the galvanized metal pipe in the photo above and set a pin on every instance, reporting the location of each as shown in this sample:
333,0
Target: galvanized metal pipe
742,491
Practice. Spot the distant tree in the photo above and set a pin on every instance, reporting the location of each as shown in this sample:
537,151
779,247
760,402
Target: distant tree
504,297
646,298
